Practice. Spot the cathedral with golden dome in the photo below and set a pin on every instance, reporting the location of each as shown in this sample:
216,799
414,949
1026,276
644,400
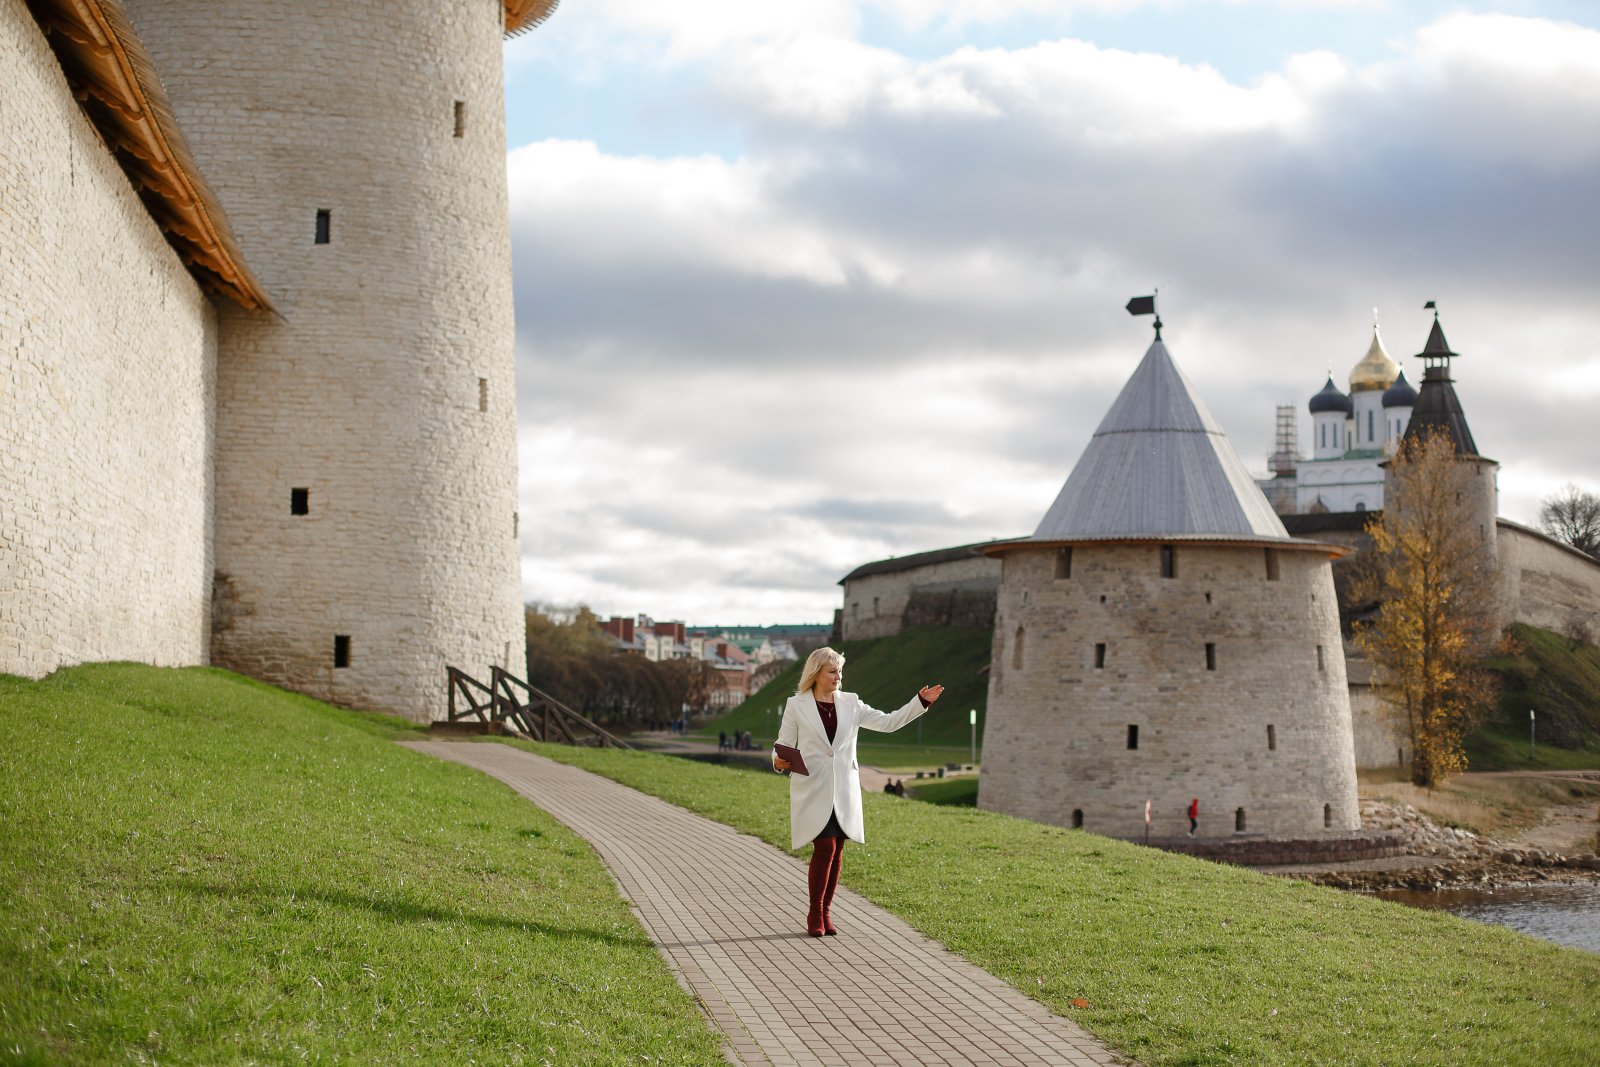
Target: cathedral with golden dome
1352,433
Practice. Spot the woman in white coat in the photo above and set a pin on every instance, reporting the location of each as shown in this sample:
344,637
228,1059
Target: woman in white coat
825,805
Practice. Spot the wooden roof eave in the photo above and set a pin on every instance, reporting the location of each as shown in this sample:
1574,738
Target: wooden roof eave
524,15
115,83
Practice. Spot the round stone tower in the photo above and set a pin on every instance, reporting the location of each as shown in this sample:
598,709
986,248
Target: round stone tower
1161,638
365,437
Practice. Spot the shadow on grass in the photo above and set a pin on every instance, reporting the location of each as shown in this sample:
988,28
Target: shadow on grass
401,911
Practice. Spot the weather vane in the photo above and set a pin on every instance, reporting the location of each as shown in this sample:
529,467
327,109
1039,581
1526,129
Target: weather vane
1146,305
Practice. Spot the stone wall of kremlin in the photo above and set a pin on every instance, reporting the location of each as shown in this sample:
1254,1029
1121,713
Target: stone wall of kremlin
107,356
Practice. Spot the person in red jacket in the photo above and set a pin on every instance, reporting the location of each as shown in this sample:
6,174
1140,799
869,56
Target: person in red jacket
1194,815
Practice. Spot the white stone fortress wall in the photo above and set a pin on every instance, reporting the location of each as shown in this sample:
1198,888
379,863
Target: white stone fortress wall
107,350
1057,737
875,604
359,151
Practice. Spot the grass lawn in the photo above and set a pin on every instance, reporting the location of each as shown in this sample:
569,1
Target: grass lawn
956,792
197,868
1181,961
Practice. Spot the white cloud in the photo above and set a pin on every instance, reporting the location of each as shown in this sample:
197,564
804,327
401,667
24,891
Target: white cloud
893,322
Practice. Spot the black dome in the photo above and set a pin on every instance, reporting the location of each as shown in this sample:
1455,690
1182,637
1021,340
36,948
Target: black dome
1400,394
1331,399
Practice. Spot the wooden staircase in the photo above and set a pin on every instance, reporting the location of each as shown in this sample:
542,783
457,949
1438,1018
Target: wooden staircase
509,705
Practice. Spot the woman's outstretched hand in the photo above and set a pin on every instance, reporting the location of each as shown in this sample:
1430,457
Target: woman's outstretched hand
930,693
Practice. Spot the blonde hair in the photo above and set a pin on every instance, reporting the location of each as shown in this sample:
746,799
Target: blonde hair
821,658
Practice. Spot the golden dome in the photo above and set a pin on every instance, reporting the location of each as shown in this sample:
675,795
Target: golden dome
1376,370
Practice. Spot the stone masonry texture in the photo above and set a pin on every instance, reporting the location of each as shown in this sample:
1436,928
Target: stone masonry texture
366,390
1057,733
107,357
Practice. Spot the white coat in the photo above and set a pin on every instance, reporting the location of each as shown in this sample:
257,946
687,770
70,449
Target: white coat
834,784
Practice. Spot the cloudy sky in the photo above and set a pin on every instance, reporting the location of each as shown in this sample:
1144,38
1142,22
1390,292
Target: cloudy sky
804,285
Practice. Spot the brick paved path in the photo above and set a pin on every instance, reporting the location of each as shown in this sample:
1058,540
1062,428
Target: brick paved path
728,912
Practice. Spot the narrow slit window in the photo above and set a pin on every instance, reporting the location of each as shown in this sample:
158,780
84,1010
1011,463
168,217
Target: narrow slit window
1077,818
1064,563
324,226
461,118
1272,738
1016,650
483,394
874,607
341,650
1211,656
1099,656
1320,666
1169,562
516,524
1133,736
1272,564
300,501
1327,816
1238,821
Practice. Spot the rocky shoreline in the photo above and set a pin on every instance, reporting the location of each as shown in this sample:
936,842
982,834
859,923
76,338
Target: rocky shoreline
1442,857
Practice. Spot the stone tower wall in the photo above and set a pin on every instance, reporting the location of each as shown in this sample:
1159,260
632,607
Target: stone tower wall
107,355
1057,732
393,334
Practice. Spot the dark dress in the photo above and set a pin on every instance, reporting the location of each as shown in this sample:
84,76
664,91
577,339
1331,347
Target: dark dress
830,723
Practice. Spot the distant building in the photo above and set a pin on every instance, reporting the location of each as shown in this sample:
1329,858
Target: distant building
1352,434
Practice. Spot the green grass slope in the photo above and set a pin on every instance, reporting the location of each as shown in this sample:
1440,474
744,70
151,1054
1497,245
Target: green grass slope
1180,961
197,868
1560,683
886,672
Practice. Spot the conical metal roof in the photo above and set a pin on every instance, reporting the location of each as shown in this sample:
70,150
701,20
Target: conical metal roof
1159,467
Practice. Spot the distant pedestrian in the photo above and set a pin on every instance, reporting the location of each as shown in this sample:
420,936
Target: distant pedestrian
722,740
1194,815
900,787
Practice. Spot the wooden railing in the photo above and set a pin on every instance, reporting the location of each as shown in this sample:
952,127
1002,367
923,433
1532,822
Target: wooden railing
523,709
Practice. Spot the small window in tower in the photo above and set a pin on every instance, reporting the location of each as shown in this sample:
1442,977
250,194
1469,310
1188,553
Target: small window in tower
300,501
1169,562
1099,656
483,394
1272,564
1272,738
1077,818
1327,816
1102,598
516,523
324,225
1208,598
874,607
1211,656
855,609
1133,736
1016,650
1064,562
1321,666
341,650
1371,436
461,117
1238,821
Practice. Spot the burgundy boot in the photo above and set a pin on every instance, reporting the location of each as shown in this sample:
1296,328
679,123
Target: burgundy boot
823,850
833,883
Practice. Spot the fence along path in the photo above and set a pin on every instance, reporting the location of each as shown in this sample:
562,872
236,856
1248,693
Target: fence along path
727,911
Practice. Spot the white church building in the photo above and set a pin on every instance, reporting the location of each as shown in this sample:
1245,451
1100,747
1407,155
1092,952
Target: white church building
1351,434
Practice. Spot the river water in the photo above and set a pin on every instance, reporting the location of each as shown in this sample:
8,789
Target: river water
1565,914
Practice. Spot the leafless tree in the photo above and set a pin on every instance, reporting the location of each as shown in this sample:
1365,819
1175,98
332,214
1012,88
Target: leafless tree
1573,516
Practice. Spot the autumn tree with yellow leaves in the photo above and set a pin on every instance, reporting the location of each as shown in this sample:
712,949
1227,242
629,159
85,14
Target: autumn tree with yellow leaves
1435,583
